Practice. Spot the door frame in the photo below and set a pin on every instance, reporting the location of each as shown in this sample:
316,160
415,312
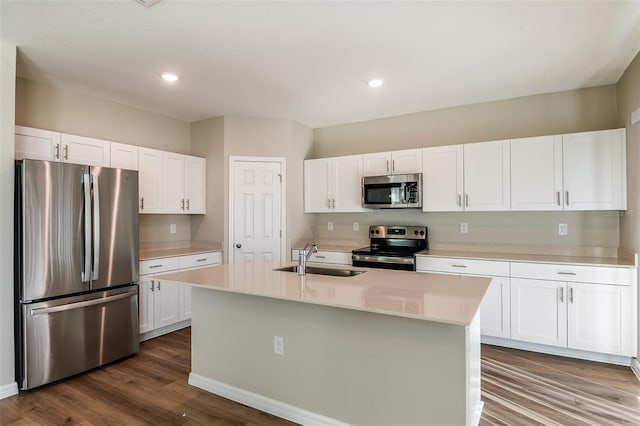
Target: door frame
233,160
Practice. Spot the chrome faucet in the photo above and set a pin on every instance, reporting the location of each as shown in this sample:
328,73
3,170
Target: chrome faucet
303,256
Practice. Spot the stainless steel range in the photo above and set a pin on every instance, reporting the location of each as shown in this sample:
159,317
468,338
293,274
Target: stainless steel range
392,247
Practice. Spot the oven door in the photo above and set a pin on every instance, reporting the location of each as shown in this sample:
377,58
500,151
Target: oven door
402,263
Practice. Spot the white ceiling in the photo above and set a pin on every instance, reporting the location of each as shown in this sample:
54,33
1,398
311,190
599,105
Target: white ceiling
309,61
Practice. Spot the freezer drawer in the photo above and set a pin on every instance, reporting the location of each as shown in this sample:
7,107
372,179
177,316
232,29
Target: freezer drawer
64,337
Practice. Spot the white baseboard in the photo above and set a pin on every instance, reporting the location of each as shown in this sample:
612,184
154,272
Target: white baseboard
635,367
476,417
8,390
164,330
263,403
553,350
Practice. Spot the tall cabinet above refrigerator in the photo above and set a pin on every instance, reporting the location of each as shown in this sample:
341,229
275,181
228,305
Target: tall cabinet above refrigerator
76,268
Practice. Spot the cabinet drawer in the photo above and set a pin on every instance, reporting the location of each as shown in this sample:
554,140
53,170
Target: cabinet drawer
159,265
462,266
200,259
577,273
339,257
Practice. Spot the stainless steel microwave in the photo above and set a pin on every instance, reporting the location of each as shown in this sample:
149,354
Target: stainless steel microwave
392,191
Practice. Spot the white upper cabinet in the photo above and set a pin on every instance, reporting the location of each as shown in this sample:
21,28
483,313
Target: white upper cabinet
333,184
595,170
578,171
171,183
37,144
194,184
470,177
83,150
124,156
536,173
442,179
487,178
394,162
150,189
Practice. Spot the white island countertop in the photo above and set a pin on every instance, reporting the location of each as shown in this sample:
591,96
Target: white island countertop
442,298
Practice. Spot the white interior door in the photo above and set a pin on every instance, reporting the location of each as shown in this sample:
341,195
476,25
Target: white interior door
257,218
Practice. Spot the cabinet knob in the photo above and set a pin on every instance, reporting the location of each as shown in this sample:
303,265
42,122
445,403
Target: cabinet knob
238,245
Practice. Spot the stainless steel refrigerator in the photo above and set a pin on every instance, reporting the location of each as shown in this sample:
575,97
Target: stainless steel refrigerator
76,268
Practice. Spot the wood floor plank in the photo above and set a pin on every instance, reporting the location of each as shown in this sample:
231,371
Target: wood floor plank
151,388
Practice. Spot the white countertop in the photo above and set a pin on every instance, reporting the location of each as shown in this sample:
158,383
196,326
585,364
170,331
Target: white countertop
435,297
158,253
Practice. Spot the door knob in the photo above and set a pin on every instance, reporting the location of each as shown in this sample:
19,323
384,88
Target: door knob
238,245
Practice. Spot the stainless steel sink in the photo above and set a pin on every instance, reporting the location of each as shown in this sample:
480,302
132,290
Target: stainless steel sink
323,271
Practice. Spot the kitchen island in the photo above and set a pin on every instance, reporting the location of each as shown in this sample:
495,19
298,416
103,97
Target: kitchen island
382,347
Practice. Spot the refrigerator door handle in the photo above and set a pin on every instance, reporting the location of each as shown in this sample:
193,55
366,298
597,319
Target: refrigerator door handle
95,269
86,265
78,305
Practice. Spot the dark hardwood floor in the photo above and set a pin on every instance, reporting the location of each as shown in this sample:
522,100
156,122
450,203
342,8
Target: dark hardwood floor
518,388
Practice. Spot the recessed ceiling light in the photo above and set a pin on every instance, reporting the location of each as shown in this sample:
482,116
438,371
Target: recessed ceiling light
167,76
375,83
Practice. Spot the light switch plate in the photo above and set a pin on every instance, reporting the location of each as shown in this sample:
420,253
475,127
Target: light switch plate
356,226
330,226
464,228
172,228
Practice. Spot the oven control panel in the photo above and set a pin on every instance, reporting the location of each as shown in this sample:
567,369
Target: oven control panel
393,232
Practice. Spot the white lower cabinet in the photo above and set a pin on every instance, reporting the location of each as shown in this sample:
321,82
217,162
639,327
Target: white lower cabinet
596,315
538,311
495,308
164,306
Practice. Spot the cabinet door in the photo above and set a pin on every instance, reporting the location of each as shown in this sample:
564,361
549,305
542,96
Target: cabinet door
124,156
167,304
595,170
406,161
487,176
599,318
536,173
173,183
150,180
185,303
146,293
442,179
83,150
194,184
347,184
317,198
495,312
539,311
36,144
376,164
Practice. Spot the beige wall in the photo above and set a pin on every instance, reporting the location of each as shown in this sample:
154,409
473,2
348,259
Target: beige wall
217,139
628,90
247,136
207,140
563,112
578,110
49,107
7,111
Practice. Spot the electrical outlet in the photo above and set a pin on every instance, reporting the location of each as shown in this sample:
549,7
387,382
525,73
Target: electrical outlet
330,226
464,228
278,345
563,229
172,228
356,226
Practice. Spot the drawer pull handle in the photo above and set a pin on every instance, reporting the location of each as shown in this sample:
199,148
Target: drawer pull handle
459,266
201,260
566,273
319,257
155,266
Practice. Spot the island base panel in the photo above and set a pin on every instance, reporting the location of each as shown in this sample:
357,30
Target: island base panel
351,366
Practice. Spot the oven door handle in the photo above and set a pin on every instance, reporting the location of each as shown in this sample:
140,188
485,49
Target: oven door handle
385,259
